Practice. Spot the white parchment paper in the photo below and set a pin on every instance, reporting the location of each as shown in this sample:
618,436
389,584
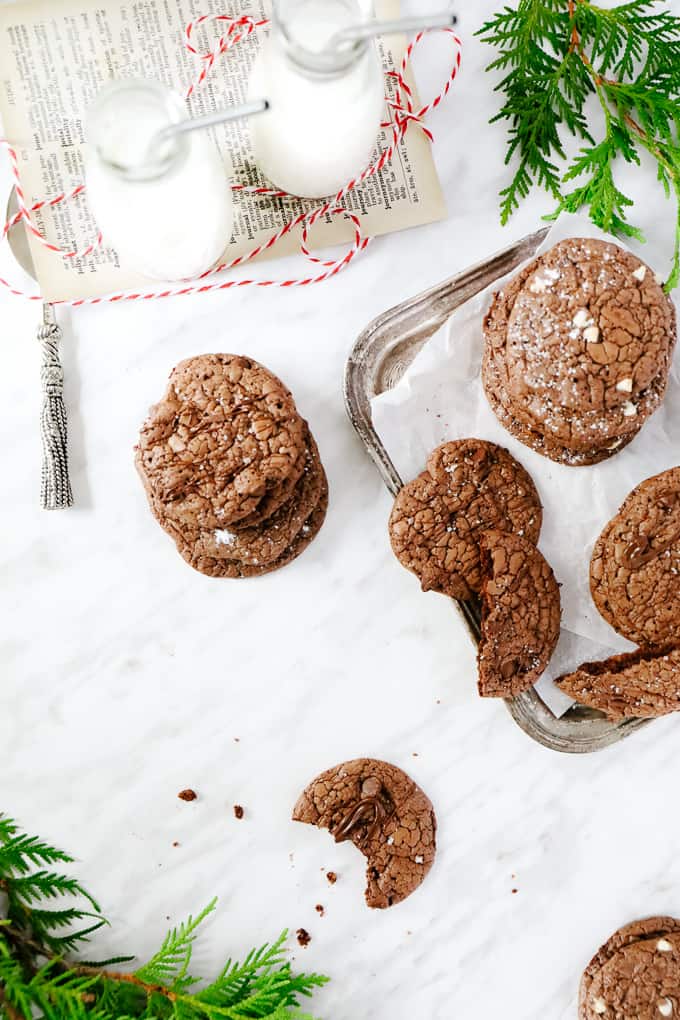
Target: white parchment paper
441,397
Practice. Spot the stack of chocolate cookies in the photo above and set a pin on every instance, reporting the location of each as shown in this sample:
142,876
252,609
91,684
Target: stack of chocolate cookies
578,349
231,470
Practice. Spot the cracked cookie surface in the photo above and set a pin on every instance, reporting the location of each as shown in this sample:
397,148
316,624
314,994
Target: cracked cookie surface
520,615
265,543
223,568
225,436
635,565
637,685
276,542
649,928
639,981
385,814
534,438
469,486
578,348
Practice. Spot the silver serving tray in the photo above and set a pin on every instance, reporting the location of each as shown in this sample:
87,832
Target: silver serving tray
377,362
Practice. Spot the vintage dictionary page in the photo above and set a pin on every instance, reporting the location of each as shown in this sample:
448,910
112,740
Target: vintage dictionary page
55,55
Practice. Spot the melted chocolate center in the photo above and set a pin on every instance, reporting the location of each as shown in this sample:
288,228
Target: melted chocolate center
640,551
370,811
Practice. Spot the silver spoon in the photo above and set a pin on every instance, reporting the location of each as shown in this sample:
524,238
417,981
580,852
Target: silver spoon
56,491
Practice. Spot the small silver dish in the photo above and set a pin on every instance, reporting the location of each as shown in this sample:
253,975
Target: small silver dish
376,363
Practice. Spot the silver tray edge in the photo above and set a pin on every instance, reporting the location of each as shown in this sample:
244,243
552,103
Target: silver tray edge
426,312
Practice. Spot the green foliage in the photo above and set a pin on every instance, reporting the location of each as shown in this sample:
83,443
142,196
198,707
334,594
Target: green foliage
555,54
38,980
58,930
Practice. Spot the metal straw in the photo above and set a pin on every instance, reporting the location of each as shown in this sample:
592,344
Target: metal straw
210,120
159,152
415,23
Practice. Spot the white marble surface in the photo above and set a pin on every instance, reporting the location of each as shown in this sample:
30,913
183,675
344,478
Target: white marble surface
126,677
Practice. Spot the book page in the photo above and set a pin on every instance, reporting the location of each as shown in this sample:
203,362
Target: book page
56,55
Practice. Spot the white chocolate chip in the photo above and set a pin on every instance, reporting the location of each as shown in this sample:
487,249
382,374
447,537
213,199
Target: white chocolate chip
664,946
629,409
582,318
592,334
599,1006
176,444
225,537
665,1007
538,286
390,840
420,859
640,273
659,279
625,385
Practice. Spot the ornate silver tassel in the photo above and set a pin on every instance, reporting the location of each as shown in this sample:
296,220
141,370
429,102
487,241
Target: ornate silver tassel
56,486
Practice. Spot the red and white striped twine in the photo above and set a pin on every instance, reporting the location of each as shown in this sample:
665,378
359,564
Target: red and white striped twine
238,29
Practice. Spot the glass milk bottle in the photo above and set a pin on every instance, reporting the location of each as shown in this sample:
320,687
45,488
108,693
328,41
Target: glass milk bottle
326,105
167,208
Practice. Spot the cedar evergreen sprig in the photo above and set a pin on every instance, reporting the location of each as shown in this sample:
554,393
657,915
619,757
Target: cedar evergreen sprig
554,55
47,915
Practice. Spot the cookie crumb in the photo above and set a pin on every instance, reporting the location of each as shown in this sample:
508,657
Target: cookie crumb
303,937
176,843
238,811
319,909
188,795
514,891
331,877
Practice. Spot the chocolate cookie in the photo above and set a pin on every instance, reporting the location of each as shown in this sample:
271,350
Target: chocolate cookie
225,436
260,545
583,332
275,498
578,348
535,439
520,615
655,928
635,566
223,568
382,811
640,979
469,487
637,685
